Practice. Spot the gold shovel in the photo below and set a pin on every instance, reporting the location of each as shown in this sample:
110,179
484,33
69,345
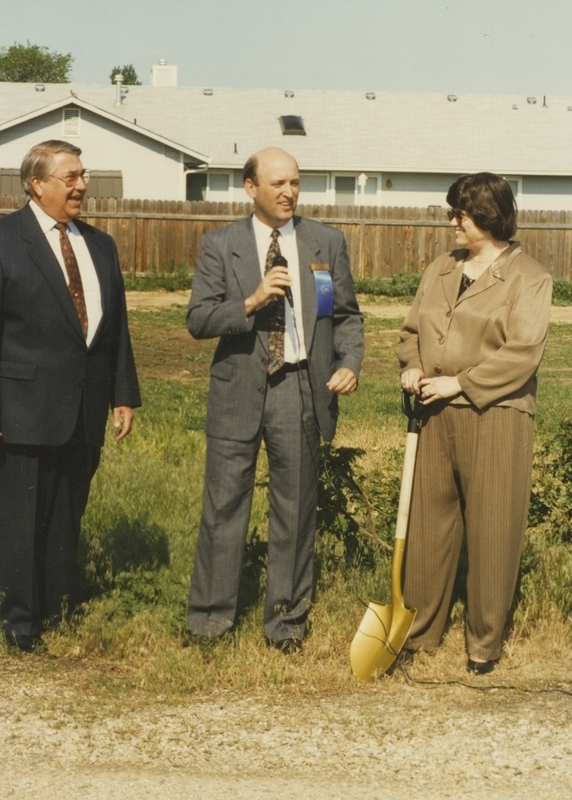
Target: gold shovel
384,629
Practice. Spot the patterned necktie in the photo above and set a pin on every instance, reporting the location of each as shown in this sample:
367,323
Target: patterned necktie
276,315
75,285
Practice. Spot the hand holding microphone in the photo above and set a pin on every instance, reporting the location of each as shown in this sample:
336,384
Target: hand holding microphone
280,261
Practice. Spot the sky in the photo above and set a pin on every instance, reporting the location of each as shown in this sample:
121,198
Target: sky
452,46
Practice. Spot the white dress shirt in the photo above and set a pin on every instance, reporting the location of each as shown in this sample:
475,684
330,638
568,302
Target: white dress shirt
294,345
89,279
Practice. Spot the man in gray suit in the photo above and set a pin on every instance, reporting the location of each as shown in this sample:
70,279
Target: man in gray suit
275,377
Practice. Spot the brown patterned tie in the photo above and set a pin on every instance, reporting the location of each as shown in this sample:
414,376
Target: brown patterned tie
276,315
75,285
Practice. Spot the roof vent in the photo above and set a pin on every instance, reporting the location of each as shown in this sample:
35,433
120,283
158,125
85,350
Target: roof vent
292,125
515,107
452,98
163,74
40,87
370,95
569,108
531,100
207,92
288,93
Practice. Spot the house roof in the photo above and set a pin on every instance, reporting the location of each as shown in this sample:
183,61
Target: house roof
393,132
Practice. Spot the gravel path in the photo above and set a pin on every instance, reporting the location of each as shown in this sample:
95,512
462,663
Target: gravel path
389,741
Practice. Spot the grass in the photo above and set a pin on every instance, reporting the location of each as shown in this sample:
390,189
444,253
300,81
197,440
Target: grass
402,285
140,530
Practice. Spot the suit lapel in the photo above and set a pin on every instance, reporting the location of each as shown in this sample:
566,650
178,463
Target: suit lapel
43,257
451,275
245,258
103,275
308,253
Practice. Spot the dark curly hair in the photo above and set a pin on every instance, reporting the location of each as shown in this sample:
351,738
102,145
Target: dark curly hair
488,200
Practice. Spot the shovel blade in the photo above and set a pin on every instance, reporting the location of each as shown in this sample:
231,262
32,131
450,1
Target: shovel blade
401,623
369,644
379,639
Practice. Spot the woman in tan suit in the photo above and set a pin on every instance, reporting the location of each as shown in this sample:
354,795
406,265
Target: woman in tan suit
470,349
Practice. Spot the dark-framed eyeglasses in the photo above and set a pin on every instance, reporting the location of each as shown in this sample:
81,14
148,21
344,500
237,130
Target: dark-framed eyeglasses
456,213
71,178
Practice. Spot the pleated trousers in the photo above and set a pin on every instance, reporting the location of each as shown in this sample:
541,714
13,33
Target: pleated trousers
472,478
292,441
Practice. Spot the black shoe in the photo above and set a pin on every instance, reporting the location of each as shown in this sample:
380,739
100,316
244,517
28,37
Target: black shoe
288,646
27,643
480,667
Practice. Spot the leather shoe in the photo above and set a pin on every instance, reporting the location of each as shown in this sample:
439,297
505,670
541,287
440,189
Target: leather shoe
480,667
27,643
288,646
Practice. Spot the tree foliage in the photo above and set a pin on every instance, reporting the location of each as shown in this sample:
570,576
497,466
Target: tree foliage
30,63
130,77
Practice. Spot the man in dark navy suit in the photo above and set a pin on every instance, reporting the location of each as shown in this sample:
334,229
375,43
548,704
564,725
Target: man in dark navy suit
65,361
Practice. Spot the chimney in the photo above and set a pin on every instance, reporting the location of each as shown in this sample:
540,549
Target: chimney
163,74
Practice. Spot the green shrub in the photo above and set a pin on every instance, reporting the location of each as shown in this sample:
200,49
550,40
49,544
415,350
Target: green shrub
562,293
179,280
401,284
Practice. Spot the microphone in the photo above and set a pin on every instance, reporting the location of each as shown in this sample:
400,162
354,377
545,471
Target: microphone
280,261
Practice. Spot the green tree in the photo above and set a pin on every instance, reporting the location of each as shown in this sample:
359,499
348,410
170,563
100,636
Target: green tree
130,77
29,63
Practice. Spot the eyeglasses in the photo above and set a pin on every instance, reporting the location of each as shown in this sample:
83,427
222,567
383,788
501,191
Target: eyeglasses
73,177
456,213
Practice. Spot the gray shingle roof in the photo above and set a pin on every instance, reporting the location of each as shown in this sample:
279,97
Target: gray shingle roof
345,131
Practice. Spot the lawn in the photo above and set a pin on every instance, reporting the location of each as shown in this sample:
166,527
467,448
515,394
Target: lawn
140,532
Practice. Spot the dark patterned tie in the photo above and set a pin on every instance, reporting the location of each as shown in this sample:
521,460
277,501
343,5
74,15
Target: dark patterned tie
276,315
75,285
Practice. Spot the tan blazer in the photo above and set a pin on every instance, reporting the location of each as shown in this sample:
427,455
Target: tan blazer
491,338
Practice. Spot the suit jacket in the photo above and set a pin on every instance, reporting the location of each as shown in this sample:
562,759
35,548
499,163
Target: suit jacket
491,338
227,273
47,372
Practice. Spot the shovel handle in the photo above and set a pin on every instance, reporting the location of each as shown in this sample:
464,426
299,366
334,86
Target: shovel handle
414,412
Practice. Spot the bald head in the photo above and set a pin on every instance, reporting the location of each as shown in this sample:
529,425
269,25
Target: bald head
272,181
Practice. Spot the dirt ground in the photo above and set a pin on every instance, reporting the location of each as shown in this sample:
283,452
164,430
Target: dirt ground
478,738
157,300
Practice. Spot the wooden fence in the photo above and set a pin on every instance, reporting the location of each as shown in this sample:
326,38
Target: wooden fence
165,235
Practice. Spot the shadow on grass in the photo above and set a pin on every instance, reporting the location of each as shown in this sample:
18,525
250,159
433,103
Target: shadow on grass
253,576
130,546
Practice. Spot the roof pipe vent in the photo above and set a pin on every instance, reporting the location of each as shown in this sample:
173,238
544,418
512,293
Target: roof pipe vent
118,85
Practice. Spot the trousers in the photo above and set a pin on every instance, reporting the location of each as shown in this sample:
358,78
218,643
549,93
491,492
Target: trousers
43,495
291,437
472,479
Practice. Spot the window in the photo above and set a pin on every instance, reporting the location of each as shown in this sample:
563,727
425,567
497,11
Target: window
515,184
313,183
345,190
218,182
370,186
105,183
196,185
70,121
292,125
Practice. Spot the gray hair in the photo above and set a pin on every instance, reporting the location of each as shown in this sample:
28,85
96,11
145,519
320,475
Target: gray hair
38,161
